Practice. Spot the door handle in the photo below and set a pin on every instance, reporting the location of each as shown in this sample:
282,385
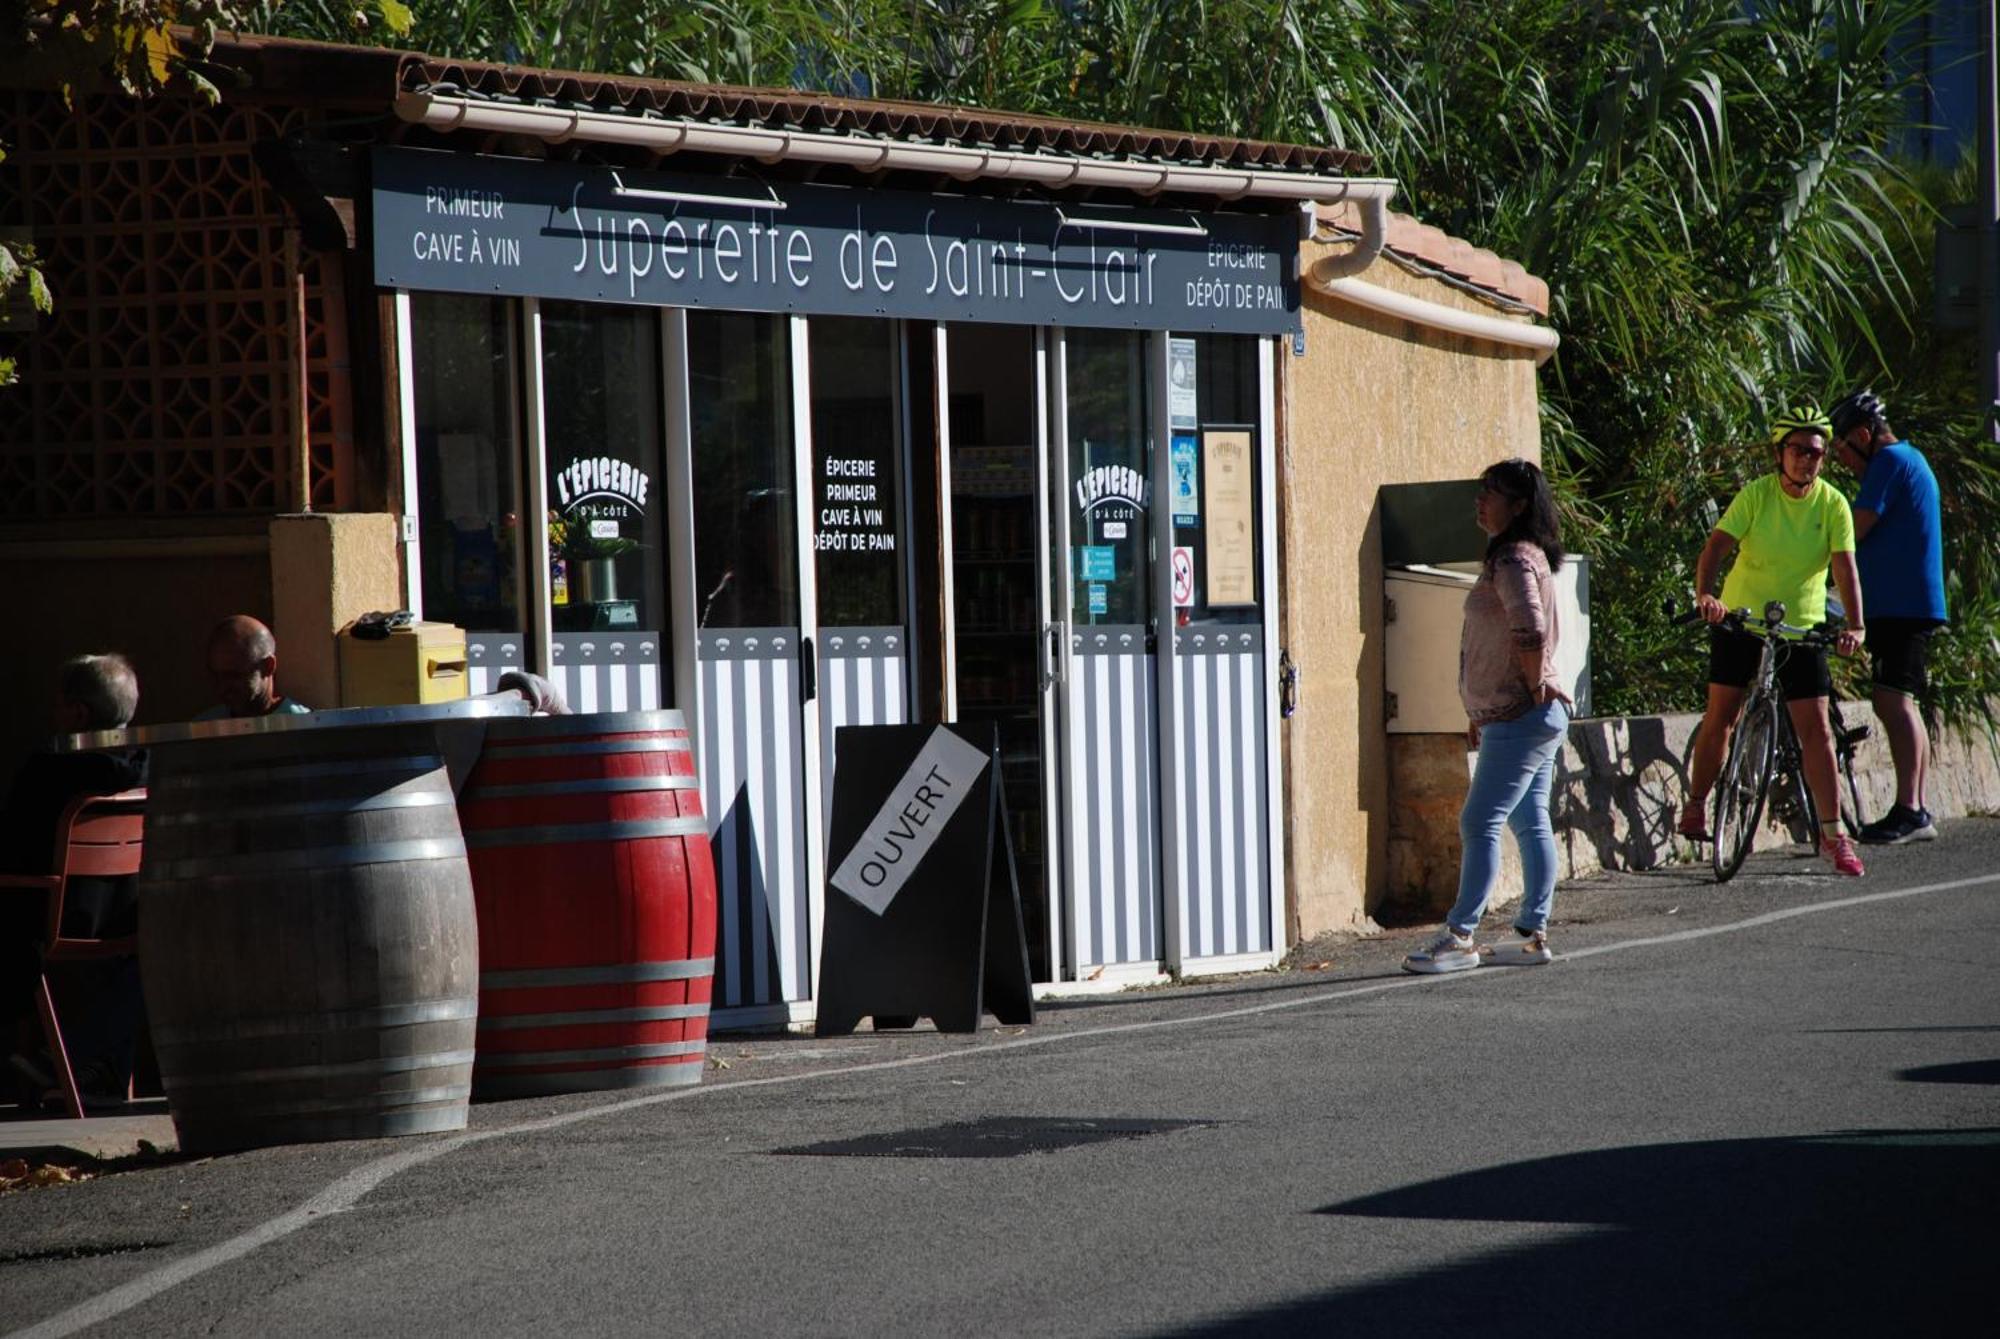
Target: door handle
808,670
1051,655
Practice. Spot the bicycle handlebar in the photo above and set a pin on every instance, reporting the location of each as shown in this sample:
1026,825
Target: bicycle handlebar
1824,635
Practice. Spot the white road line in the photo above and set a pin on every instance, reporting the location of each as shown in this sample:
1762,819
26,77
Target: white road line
350,1189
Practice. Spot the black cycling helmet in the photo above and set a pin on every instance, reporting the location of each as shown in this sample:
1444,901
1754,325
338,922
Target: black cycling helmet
1860,407
1799,418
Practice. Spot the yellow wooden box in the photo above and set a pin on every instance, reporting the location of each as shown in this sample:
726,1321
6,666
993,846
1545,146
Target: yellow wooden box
424,662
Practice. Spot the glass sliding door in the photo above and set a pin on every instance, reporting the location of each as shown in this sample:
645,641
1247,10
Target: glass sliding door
607,509
755,671
861,527
1218,805
1001,587
1109,695
464,378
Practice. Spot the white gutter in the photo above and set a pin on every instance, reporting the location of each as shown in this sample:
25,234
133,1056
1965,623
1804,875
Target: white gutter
1437,316
445,113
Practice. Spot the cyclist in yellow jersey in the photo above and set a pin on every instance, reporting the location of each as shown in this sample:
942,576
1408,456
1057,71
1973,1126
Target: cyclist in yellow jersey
1787,530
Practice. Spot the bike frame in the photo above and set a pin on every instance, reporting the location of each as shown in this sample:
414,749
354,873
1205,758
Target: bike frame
1764,748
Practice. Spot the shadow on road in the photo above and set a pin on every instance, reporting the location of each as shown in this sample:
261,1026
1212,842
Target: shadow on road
1969,1071
1876,1232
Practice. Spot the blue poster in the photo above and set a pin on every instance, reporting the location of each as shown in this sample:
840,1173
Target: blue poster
1096,562
1184,477
1099,603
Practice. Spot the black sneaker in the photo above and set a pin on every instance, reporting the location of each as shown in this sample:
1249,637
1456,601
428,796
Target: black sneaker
1901,825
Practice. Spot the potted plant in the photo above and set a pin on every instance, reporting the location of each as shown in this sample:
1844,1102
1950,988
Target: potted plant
590,561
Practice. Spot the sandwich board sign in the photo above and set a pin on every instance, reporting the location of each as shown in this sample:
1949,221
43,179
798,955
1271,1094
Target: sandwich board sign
923,908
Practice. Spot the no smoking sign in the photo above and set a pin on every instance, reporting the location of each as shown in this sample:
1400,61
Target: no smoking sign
1183,577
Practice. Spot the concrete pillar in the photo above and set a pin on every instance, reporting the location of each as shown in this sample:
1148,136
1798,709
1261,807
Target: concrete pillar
327,569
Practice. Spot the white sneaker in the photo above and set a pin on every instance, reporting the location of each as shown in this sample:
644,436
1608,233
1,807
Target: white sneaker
1528,951
1449,952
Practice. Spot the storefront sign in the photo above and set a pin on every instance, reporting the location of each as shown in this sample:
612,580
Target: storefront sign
464,223
854,511
904,829
1232,549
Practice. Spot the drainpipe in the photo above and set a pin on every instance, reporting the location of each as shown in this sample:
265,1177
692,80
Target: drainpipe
1374,231
1436,316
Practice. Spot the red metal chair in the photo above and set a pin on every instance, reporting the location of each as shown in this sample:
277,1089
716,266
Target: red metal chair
98,836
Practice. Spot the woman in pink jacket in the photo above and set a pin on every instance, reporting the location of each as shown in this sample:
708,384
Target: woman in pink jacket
1519,712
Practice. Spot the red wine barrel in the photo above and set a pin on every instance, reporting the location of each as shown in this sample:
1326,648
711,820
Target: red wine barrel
306,936
596,895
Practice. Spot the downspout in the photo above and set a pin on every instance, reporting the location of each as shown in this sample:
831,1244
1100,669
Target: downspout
1326,270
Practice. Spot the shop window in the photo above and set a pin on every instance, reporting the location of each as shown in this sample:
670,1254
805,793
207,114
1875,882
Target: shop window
1109,465
464,376
745,518
857,472
601,408
1212,470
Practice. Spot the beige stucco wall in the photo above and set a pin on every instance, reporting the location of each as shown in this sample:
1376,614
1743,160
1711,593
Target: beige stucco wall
1373,401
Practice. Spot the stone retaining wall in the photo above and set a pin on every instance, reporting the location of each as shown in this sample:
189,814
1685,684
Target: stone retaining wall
1618,791
1620,782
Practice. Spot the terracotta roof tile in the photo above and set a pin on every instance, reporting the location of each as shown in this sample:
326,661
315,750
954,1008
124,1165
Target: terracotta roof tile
897,120
1425,245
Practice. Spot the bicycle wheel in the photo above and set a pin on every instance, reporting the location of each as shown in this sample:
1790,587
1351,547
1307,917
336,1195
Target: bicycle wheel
1739,791
1846,743
1801,814
1851,812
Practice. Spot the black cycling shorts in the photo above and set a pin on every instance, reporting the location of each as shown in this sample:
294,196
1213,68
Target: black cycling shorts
1732,662
1901,651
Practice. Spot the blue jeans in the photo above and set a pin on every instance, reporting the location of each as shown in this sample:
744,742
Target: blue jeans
1510,787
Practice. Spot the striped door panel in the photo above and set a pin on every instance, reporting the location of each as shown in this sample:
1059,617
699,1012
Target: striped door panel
1223,860
1114,826
489,655
863,674
753,781
608,671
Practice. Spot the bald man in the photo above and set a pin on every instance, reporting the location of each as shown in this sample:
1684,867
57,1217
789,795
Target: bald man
243,664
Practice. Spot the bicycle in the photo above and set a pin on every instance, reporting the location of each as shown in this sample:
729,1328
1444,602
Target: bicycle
1764,763
1847,741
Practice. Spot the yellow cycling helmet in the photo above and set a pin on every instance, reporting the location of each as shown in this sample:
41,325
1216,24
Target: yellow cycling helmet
1799,418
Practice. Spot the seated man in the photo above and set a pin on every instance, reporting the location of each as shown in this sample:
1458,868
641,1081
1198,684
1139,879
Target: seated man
243,664
97,692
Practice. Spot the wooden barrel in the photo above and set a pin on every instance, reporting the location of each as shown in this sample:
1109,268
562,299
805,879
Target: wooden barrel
306,937
596,895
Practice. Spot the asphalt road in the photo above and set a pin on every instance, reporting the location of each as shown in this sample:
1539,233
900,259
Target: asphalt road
1765,1108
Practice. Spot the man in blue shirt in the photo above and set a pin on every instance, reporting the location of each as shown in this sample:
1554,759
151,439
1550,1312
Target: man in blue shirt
1899,547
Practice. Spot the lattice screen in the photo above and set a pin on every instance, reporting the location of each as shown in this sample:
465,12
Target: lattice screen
165,382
